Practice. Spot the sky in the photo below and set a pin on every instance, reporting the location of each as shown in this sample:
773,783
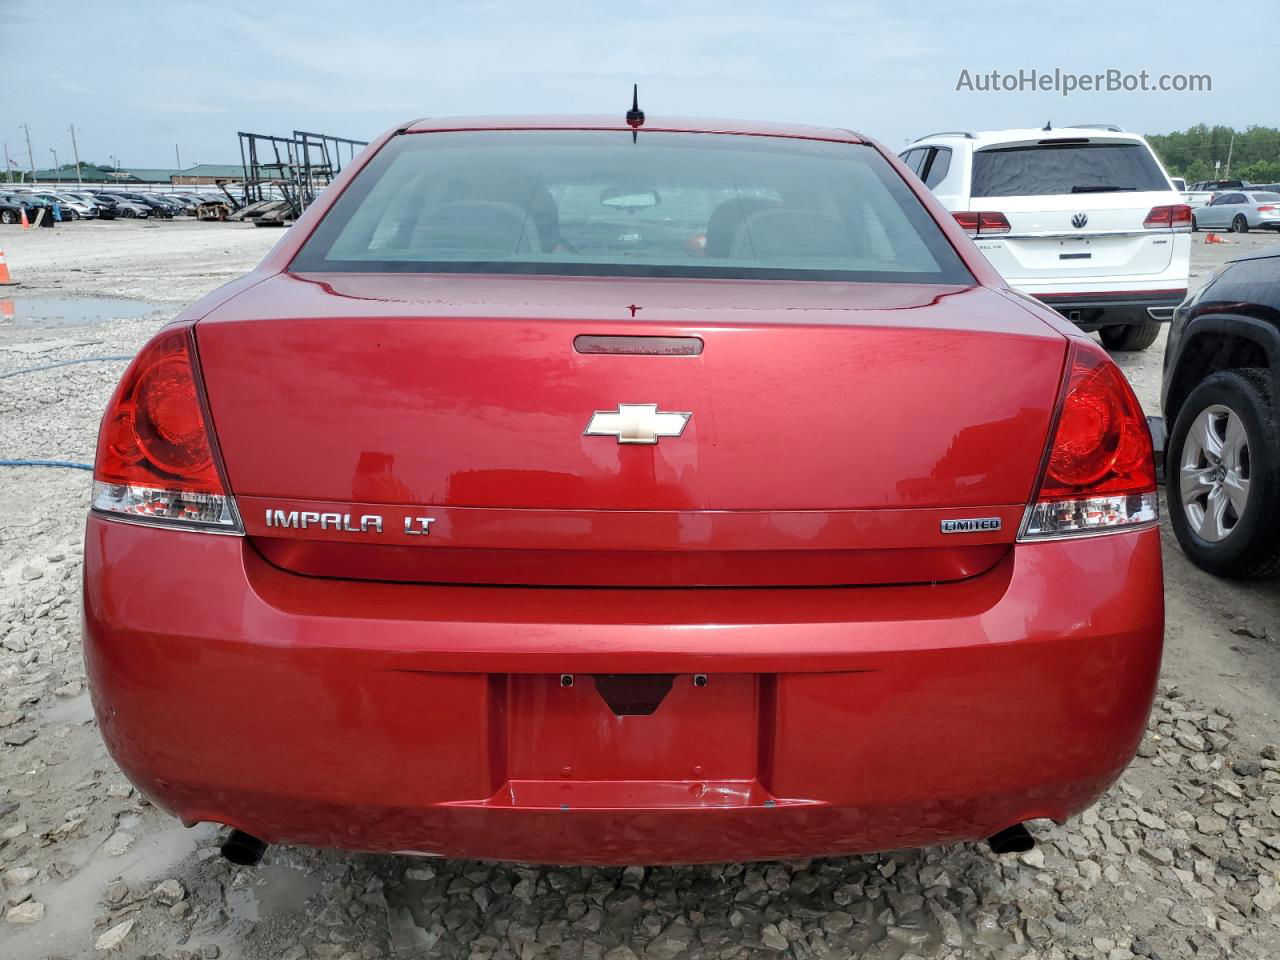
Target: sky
176,73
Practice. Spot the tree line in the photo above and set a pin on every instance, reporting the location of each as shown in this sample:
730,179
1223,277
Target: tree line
20,174
1200,153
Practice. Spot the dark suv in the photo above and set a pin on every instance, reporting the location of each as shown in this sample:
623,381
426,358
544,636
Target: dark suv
1220,392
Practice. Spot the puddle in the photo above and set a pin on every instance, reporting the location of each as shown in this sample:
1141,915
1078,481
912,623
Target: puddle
68,926
270,891
76,711
73,311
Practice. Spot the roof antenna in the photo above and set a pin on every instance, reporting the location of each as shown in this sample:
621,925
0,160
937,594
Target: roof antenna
1048,125
635,116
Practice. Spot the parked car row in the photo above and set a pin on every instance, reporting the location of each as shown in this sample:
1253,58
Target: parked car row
85,203
1211,192
1239,211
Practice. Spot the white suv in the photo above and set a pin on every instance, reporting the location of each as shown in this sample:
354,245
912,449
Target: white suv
1083,218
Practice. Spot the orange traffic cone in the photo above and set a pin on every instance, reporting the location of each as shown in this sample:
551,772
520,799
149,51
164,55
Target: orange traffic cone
26,224
7,309
5,279
1214,238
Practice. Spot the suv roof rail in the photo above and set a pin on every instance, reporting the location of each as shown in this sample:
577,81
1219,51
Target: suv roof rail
1113,127
967,134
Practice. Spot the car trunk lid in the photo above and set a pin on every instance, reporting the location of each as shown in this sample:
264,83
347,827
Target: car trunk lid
832,428
1084,235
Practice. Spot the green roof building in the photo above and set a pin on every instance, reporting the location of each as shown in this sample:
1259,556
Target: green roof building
200,173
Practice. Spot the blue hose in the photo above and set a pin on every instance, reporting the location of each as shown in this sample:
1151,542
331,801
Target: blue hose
68,464
61,363
46,463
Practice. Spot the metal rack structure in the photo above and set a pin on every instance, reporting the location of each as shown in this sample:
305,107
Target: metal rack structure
293,169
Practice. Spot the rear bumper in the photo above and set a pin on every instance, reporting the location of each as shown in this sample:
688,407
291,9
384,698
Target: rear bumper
396,717
1093,310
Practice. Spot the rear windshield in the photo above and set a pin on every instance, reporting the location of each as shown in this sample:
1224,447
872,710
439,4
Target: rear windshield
596,203
1057,168
1266,197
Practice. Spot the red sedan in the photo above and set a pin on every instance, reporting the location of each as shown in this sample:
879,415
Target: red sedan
584,491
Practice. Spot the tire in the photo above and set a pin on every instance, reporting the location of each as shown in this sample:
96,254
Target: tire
1222,529
1239,224
1129,336
1195,227
8,216
128,214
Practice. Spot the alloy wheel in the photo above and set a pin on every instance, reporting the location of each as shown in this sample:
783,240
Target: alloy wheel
1214,475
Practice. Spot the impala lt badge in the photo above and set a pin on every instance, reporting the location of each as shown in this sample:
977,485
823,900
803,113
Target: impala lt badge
636,423
344,522
306,519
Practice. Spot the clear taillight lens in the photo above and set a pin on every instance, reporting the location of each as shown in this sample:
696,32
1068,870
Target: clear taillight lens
156,461
1100,474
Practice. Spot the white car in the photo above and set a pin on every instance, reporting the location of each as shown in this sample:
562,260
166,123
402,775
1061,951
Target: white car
1084,218
83,210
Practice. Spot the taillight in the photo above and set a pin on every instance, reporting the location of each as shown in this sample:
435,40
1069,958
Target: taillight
982,222
1100,475
1175,217
1264,207
156,460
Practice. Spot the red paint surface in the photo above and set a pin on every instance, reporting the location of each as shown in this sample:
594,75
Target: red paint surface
283,683
404,717
838,422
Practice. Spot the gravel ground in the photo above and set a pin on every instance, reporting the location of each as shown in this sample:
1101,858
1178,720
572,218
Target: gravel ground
1180,859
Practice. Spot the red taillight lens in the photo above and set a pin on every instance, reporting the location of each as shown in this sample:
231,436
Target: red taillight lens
982,221
992,223
155,452
1171,217
1100,473
1264,207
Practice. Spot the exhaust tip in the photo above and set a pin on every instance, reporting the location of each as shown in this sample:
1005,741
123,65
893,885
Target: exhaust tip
1015,839
243,849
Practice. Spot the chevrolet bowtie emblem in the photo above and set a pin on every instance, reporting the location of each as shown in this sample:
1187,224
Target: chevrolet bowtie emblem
636,423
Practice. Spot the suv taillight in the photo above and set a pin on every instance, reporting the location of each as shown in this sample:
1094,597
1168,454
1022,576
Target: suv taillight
156,459
1099,475
1175,217
982,222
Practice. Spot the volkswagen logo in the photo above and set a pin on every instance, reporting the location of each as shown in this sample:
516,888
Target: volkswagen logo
1079,220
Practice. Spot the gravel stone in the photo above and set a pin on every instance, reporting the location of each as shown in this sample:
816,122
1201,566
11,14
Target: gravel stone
1211,825
115,936
169,892
30,911
117,844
